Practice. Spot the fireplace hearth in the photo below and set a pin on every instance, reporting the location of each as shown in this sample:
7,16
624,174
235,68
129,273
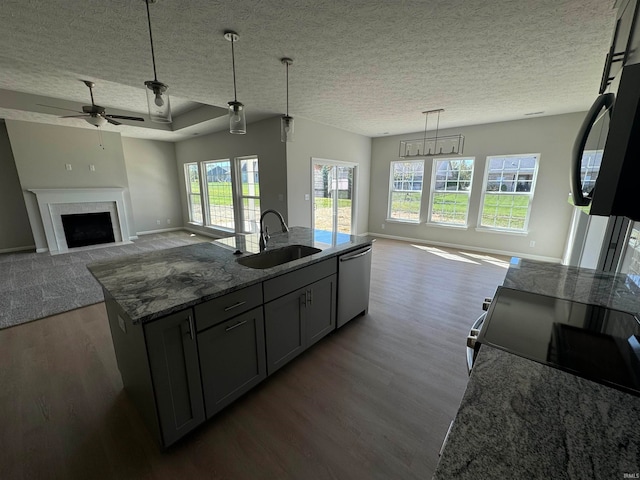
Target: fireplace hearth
84,229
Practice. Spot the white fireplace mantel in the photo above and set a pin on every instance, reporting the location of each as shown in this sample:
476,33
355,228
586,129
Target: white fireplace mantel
53,201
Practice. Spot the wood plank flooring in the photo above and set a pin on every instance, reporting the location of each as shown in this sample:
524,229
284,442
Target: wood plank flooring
372,400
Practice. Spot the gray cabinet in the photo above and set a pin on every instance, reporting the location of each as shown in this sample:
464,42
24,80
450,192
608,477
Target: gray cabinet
232,359
299,319
173,361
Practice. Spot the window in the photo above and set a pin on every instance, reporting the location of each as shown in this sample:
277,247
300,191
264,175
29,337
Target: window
219,199
450,191
232,198
193,192
405,190
589,168
508,191
250,194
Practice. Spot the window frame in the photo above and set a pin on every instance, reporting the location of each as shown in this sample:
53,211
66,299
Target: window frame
433,191
392,190
239,194
190,193
530,194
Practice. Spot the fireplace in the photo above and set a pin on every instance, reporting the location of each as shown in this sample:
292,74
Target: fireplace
85,203
84,229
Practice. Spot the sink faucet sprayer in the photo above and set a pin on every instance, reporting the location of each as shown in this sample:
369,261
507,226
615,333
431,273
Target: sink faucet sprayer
264,230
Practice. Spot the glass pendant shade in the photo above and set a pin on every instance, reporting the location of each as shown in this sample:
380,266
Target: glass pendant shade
286,128
237,120
97,121
158,101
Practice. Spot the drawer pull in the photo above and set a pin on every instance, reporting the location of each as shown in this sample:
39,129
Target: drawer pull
235,305
228,329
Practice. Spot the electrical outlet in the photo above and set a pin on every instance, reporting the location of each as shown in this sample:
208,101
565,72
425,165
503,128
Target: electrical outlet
532,243
92,168
158,221
67,166
168,221
306,196
382,226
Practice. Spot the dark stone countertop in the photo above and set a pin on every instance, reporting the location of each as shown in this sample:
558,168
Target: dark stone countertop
520,418
151,285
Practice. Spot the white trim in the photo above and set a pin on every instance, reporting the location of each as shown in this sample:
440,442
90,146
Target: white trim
469,248
160,230
517,233
407,222
447,225
200,232
42,250
18,249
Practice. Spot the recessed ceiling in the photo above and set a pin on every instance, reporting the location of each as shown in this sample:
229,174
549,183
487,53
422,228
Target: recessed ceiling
368,67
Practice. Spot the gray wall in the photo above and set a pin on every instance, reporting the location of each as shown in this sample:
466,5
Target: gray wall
15,232
41,152
314,140
551,137
153,183
262,139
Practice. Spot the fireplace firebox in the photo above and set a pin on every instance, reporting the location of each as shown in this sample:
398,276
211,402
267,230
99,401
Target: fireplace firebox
83,229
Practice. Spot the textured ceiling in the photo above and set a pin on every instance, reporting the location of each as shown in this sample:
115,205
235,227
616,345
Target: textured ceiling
366,66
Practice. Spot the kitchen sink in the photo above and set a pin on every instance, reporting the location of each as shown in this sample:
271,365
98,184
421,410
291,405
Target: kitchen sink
278,256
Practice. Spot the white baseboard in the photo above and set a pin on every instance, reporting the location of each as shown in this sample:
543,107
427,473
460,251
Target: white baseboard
200,232
19,249
505,253
160,230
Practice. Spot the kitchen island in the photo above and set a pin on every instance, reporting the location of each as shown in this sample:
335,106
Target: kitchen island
193,329
520,418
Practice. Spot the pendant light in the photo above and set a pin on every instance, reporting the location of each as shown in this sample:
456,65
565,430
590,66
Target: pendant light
157,96
237,120
286,122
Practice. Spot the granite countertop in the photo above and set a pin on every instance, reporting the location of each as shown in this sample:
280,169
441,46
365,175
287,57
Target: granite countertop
520,418
154,284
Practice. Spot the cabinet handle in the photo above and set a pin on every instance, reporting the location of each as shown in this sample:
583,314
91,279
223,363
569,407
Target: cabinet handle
235,305
228,329
351,257
310,296
303,299
190,324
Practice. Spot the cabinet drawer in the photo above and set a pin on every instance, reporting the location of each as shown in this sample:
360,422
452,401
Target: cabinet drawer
279,286
220,309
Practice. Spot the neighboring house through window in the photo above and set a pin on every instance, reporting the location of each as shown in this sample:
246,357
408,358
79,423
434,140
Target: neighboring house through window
405,190
450,189
508,191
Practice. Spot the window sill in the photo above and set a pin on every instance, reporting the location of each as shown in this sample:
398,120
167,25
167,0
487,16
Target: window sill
447,225
518,233
406,222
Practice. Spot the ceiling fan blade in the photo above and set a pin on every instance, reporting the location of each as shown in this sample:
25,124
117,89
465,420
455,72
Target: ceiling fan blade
124,117
59,108
75,116
110,120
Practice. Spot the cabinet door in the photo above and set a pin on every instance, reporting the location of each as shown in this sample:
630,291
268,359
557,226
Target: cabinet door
232,359
320,312
173,358
284,328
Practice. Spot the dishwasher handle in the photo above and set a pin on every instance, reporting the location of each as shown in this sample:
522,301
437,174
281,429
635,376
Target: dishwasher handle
346,258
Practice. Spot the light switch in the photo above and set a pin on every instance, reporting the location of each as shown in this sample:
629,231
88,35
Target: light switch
92,168
306,196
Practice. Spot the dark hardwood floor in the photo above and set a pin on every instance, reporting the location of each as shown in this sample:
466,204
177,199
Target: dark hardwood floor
372,400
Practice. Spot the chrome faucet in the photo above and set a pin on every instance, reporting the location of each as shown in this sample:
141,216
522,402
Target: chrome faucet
264,230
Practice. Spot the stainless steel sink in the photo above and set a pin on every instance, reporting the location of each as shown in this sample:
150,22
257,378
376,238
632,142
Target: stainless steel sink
278,256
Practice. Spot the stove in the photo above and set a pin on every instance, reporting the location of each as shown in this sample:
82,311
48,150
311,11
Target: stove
592,341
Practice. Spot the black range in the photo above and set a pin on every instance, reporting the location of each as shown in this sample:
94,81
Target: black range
595,342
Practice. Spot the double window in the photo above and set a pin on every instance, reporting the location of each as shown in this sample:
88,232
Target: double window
508,191
231,199
450,190
405,190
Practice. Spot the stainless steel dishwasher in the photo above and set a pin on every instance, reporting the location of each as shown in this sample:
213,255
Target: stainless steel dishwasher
354,276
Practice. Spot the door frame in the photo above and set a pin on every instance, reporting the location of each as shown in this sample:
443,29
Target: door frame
354,193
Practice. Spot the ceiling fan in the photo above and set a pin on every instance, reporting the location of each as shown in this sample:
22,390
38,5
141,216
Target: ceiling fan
95,114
